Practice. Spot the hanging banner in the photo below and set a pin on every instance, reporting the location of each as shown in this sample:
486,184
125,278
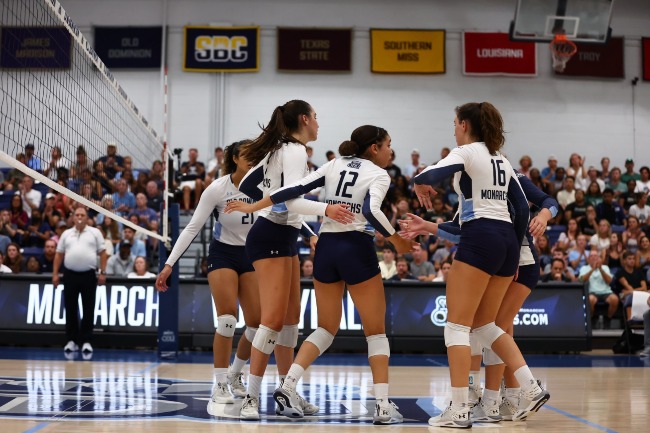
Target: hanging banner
645,49
314,49
597,60
129,47
496,54
35,48
407,51
221,49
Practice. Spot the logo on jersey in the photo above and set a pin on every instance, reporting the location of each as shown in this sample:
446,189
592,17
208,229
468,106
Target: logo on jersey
354,164
275,252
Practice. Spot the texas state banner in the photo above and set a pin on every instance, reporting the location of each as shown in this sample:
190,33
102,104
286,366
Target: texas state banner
407,51
495,54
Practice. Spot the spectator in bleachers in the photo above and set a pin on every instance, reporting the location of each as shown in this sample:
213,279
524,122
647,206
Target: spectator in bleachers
387,265
102,183
558,272
567,194
578,255
192,178
307,269
31,198
562,255
108,244
310,154
401,188
403,274
15,176
140,185
128,165
525,164
420,267
215,166
32,161
140,269
56,161
138,234
599,277
121,263
567,240
592,176
628,279
589,224
537,180
380,243
87,192
203,268
643,184
61,226
38,231
111,229
628,199
548,172
137,247
442,254
629,172
32,265
123,199
444,271
600,240
4,269
615,184
50,214
438,211
577,170
604,169
145,214
410,169
632,235
46,260
80,163
19,217
393,170
557,184
612,255
154,197
14,258
640,209
610,210
543,250
593,194
157,174
8,230
113,162
108,204
330,155
643,254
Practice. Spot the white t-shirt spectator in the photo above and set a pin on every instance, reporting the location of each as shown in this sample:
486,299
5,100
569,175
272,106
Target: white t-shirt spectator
642,186
146,275
565,198
387,271
641,213
4,269
599,243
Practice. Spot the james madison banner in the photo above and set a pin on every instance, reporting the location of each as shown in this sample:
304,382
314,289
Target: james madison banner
221,49
326,50
597,60
35,48
645,47
495,54
407,51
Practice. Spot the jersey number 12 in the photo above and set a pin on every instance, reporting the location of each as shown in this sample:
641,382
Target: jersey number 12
345,185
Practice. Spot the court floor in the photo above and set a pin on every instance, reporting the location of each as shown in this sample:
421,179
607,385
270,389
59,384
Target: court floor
42,391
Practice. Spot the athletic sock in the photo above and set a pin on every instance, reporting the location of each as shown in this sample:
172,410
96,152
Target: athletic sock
459,397
220,375
292,378
527,381
254,384
475,379
237,365
381,391
489,394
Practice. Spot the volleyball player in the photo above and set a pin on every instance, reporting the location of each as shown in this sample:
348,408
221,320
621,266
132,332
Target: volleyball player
230,274
345,255
280,158
487,256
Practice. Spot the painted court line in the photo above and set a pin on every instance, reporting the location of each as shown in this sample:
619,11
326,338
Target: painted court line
37,427
582,420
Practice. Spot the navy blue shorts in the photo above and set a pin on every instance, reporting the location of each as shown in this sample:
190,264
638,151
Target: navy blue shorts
268,240
227,256
347,256
528,275
489,245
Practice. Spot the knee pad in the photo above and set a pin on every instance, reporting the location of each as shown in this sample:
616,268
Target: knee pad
475,345
288,337
226,324
321,339
487,334
378,345
265,339
249,333
491,358
456,335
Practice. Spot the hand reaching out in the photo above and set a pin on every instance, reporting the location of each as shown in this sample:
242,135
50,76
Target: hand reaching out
424,194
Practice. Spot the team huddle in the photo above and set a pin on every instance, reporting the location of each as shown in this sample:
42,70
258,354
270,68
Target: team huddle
253,261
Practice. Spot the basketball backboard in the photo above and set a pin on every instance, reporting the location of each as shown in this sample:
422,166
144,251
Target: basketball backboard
580,20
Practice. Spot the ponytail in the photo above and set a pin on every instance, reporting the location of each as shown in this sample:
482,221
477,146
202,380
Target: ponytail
486,124
361,139
229,153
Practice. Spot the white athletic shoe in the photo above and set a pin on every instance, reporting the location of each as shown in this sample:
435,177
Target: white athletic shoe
235,380
71,346
287,403
507,409
452,418
87,348
530,402
220,395
386,413
485,411
250,408
307,407
475,394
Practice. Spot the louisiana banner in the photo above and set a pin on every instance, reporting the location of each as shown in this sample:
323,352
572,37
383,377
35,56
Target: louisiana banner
407,51
314,49
597,60
35,48
222,49
129,47
495,54
645,48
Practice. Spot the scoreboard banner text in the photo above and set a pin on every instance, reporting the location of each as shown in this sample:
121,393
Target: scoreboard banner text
645,47
407,51
129,47
35,48
327,50
597,60
221,49
495,54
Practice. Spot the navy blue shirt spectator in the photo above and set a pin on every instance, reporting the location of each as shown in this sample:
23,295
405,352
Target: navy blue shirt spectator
609,210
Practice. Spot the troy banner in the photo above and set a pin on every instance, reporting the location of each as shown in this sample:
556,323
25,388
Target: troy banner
35,47
314,49
221,49
407,51
597,60
495,54
129,47
645,49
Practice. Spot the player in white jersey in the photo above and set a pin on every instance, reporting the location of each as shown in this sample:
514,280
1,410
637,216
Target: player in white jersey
487,256
280,157
230,274
345,254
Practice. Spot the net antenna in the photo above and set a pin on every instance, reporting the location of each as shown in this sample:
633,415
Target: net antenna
562,49
75,107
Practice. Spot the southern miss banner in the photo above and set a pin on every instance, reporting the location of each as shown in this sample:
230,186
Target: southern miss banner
222,49
645,47
496,54
314,49
35,48
597,60
129,47
407,51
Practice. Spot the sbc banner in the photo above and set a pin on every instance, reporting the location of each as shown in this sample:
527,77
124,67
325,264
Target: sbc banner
597,60
495,54
35,48
129,47
314,49
407,51
645,46
222,49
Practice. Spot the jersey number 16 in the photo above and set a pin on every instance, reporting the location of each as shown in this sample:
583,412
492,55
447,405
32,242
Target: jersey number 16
498,174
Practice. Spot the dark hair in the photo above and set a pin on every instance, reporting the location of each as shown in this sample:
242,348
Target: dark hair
284,122
608,191
627,254
486,123
229,153
645,167
361,139
557,260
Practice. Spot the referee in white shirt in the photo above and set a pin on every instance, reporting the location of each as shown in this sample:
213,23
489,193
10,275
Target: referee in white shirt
77,250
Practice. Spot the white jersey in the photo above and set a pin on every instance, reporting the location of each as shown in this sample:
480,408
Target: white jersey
357,182
230,229
286,165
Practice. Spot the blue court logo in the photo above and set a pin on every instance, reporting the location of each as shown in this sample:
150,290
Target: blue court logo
439,313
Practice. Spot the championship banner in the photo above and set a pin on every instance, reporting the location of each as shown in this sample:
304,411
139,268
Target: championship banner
129,47
314,49
496,54
597,60
221,49
407,51
645,49
35,48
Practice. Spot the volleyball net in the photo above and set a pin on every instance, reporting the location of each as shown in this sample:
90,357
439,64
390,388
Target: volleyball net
63,113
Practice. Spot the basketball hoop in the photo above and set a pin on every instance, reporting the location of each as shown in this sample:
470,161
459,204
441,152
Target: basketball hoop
562,50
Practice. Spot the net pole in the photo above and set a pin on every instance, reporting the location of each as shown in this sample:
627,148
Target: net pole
166,155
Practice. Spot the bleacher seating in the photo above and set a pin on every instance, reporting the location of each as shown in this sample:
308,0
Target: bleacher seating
553,233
